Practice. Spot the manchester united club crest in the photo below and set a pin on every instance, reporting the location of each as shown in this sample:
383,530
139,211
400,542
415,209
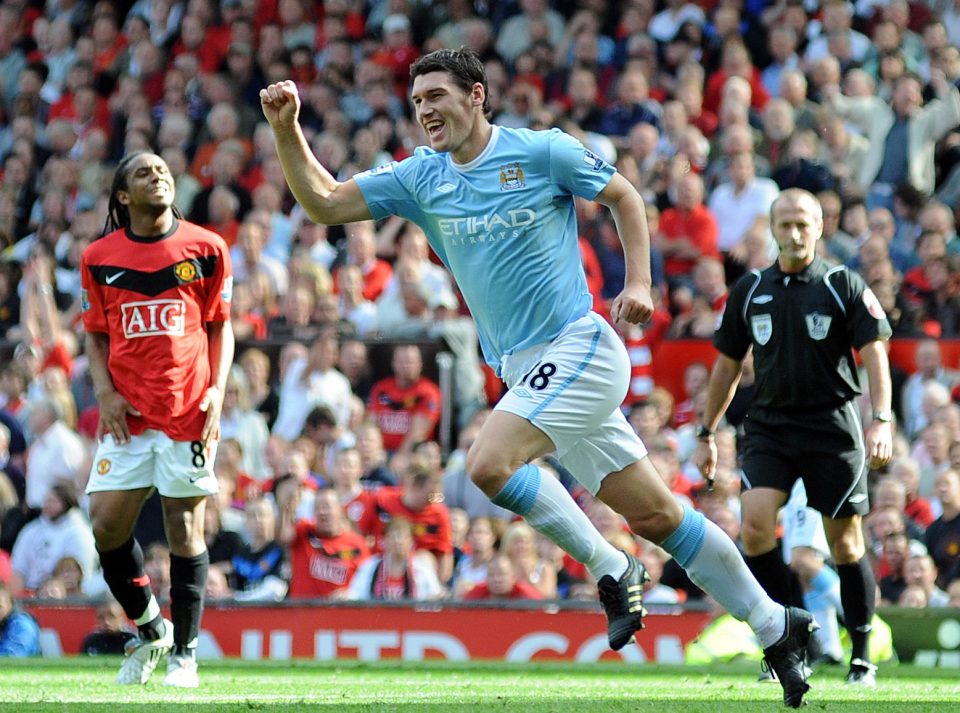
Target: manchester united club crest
185,271
762,326
511,177
818,325
103,466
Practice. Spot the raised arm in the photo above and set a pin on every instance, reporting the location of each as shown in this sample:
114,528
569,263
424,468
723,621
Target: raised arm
325,199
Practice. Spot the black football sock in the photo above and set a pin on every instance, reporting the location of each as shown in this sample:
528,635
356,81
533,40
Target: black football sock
772,573
130,586
858,595
188,580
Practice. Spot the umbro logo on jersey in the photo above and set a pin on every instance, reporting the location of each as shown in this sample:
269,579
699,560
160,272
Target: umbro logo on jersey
114,277
858,498
445,188
762,299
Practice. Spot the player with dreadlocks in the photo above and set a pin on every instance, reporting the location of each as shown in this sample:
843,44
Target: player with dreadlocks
156,308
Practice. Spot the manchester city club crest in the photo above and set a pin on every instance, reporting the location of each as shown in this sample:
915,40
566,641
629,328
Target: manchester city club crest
762,326
818,325
511,177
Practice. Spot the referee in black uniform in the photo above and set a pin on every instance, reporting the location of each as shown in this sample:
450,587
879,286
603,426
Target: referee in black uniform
803,319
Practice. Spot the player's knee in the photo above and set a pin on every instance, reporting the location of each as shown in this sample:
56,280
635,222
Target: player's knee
847,550
106,534
182,530
487,469
758,537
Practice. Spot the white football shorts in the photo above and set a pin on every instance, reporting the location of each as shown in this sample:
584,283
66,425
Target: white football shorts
802,525
571,389
178,469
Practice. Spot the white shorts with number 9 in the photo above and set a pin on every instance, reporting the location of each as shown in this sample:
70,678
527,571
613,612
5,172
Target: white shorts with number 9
178,469
571,389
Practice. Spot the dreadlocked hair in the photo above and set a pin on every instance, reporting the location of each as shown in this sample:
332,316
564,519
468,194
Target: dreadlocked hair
118,215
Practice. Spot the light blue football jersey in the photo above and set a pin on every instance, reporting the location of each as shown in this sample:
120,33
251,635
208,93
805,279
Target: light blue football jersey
504,225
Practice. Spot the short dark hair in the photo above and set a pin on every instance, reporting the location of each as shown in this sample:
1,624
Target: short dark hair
463,65
321,416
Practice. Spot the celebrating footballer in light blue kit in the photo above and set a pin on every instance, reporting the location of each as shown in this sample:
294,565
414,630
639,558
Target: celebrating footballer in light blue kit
497,206
505,226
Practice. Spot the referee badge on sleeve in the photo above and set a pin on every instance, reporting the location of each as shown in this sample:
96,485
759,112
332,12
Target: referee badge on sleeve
762,326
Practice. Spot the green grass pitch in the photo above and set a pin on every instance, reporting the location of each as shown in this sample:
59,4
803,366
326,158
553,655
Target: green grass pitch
75,684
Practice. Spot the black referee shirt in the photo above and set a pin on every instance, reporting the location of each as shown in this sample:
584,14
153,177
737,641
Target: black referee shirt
803,328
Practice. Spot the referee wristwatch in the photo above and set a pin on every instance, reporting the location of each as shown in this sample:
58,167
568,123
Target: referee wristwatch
883,416
703,433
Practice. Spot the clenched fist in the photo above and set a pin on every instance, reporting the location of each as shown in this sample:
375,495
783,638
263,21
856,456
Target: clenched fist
281,104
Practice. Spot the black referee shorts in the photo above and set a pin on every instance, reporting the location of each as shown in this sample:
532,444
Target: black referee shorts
824,448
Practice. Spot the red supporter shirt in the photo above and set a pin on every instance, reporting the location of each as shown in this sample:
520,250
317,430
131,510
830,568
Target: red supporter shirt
323,565
698,226
431,526
521,590
393,408
358,506
153,297
640,351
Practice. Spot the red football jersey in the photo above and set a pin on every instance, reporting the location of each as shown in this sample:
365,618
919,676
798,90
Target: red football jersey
431,526
393,408
153,297
322,565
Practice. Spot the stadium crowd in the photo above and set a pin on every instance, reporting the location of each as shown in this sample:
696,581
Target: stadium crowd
333,482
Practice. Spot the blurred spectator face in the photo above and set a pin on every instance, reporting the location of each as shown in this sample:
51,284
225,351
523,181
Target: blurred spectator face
643,140
500,576
217,587
741,169
327,513
110,617
953,591
428,452
907,96
947,488
398,539
68,571
347,470
260,520
633,88
793,87
690,192
353,362
407,364
896,549
370,446
778,121
298,305
582,87
890,493
6,602
920,572
480,537
913,597
53,588
936,440
350,281
420,489
884,522
881,223
323,352
53,507
783,43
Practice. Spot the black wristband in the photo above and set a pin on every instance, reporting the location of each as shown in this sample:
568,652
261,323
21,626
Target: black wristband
703,433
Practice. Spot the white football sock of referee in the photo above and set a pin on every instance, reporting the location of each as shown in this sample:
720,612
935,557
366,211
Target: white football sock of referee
546,505
714,564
